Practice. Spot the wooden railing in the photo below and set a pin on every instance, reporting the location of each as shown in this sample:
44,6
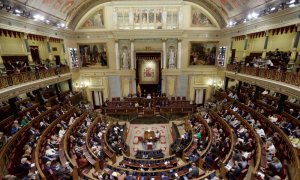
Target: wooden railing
99,163
256,138
70,131
8,122
155,174
288,151
287,77
110,153
24,77
42,141
199,117
10,147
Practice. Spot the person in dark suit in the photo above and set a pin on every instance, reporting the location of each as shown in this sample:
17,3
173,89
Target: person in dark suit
194,171
24,167
130,176
235,171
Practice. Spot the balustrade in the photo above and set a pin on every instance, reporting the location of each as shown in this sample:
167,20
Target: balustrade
287,77
24,77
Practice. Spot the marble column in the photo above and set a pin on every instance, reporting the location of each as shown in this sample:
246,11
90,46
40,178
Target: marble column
264,54
117,55
231,46
132,56
49,48
245,46
179,54
27,47
164,55
295,45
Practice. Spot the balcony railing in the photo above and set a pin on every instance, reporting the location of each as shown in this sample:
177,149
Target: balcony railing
24,77
287,77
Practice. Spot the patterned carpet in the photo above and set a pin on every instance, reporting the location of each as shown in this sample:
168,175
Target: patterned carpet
136,135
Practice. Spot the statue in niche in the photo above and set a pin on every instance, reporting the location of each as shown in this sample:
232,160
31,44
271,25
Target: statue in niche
172,57
125,58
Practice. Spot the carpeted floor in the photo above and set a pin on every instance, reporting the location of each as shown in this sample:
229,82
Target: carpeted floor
136,135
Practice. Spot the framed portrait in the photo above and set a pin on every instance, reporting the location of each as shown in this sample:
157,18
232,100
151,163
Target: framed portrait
148,71
203,53
94,54
199,19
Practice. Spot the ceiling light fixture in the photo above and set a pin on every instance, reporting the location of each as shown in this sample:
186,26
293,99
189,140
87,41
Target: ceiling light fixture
18,11
8,8
292,5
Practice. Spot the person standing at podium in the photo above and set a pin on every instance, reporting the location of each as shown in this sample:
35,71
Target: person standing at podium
157,135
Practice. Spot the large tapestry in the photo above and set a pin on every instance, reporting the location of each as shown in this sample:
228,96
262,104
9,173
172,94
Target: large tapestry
94,21
203,53
199,19
93,54
148,71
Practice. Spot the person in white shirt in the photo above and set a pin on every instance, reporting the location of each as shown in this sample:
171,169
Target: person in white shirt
61,132
271,150
265,92
273,118
51,152
260,132
72,120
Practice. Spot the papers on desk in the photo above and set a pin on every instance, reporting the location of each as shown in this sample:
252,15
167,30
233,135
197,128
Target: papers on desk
262,175
245,154
115,174
228,167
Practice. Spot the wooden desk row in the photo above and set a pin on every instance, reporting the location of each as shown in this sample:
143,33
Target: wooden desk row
254,136
148,111
188,151
155,174
109,152
7,152
285,146
40,147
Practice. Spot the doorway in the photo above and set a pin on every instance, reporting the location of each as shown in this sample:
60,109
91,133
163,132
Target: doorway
200,96
232,56
148,73
35,54
57,60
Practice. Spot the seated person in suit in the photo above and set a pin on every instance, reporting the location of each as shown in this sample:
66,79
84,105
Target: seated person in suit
193,171
235,171
130,176
24,167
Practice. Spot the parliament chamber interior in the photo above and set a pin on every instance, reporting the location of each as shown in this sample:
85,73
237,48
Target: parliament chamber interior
149,90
